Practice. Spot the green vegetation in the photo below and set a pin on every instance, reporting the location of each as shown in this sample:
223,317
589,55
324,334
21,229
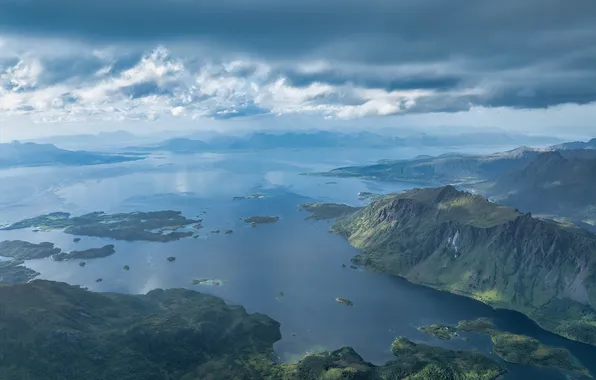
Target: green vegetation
512,348
412,361
480,325
182,334
464,244
440,331
345,301
158,226
22,250
321,211
14,272
91,253
126,267
525,350
173,334
261,219
577,321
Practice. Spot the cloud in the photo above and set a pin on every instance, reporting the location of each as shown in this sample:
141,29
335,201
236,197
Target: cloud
227,59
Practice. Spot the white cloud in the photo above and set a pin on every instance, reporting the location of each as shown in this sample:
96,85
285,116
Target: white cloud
161,84
59,81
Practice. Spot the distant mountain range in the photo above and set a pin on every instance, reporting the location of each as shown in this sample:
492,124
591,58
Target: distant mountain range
577,145
325,139
555,183
31,154
558,181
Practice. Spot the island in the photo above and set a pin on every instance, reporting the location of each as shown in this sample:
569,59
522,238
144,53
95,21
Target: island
82,263
320,211
261,219
345,301
513,348
91,253
463,243
252,196
22,250
207,281
76,240
126,267
440,331
171,258
159,226
184,334
228,232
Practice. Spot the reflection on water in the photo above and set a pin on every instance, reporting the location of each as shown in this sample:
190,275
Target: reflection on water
297,257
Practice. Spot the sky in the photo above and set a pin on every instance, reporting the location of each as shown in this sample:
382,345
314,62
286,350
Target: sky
147,65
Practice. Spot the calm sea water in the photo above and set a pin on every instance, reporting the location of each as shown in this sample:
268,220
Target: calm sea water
297,257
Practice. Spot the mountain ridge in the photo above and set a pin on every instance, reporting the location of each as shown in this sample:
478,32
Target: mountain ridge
462,243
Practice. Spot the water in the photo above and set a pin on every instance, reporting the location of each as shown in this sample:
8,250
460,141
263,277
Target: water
297,257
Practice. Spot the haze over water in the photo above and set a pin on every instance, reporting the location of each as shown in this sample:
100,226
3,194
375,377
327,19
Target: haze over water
297,257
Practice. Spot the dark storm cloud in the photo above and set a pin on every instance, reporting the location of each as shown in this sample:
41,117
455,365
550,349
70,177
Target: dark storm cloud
428,81
478,41
383,30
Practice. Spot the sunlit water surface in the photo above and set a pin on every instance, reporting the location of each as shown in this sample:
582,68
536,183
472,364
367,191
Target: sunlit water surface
297,257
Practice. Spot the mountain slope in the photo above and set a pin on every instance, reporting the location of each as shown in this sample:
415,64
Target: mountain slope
51,330
551,184
445,169
56,331
577,145
464,244
31,154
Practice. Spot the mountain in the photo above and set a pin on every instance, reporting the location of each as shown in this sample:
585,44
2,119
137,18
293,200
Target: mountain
551,184
179,145
31,154
444,169
200,142
577,145
51,330
496,138
101,140
262,141
462,243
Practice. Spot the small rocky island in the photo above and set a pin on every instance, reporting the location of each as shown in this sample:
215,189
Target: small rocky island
345,301
91,253
183,334
261,219
252,196
208,281
513,348
171,258
159,226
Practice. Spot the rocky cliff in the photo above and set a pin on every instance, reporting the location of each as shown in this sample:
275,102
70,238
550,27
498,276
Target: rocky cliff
462,243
